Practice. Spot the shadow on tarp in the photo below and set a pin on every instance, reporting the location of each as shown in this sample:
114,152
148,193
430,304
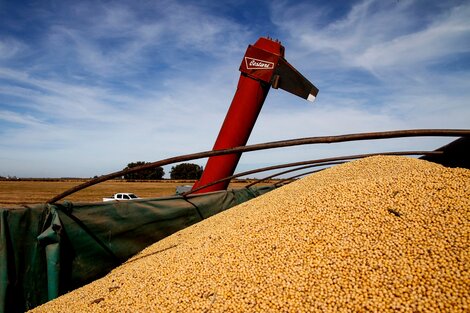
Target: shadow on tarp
48,250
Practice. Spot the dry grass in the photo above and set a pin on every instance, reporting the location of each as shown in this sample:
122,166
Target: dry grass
29,192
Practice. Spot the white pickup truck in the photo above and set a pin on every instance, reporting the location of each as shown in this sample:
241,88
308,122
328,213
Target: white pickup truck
122,196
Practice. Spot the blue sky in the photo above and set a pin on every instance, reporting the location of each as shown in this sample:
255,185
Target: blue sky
89,86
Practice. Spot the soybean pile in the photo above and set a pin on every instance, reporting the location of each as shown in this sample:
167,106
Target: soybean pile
377,234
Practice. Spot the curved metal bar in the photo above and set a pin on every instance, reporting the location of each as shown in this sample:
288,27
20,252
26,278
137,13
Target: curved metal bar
350,157
269,145
291,170
290,179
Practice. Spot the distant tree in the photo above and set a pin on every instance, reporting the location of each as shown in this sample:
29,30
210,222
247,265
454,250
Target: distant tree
154,173
186,171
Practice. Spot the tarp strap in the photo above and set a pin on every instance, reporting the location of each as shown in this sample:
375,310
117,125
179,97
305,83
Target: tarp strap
254,192
195,206
67,212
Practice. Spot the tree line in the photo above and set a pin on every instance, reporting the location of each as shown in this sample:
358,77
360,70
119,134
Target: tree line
180,171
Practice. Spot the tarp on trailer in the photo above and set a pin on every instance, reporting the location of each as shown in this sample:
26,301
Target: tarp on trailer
48,250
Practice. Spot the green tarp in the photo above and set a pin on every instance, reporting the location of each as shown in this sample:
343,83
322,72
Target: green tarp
48,250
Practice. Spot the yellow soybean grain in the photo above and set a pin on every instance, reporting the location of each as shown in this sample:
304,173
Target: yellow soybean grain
377,234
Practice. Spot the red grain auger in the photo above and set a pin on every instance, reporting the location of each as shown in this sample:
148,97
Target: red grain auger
262,66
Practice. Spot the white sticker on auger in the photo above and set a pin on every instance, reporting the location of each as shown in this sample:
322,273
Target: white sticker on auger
255,64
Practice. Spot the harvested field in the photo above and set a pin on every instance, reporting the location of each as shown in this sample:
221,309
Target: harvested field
22,192
378,234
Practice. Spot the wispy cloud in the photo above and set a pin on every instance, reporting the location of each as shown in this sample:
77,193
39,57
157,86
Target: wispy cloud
378,35
21,119
123,38
10,47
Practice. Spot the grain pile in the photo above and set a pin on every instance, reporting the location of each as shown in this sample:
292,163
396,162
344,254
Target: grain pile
379,234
